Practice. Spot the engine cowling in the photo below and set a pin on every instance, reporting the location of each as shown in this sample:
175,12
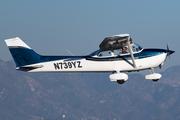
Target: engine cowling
118,77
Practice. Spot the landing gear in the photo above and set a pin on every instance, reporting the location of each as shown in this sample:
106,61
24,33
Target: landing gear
120,81
155,80
153,76
118,77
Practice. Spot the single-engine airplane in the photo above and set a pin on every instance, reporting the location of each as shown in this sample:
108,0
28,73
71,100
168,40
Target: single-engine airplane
117,54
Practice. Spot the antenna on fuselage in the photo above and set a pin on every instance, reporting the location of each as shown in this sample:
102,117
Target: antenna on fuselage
70,52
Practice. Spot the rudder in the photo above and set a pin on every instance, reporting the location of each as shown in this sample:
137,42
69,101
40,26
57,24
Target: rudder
22,54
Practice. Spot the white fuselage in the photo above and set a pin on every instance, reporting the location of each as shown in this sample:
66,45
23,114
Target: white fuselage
83,65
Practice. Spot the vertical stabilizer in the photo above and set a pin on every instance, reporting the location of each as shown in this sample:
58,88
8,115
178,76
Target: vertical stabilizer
22,54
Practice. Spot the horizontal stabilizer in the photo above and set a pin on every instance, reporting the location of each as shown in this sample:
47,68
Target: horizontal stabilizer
32,66
29,67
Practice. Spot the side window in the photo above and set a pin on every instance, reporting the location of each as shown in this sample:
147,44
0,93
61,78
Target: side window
134,48
117,52
104,54
124,51
109,53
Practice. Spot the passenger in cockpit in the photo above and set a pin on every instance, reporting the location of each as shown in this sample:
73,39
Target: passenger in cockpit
124,50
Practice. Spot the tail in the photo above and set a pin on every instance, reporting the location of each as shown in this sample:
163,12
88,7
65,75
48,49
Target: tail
22,54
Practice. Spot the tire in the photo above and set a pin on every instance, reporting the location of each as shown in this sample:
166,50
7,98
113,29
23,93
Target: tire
120,81
155,80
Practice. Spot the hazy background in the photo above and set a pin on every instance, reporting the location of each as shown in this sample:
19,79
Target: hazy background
52,27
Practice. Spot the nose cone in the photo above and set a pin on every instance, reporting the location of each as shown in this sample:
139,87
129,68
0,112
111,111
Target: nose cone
169,52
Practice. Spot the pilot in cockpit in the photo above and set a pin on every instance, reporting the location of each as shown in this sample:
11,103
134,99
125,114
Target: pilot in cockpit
124,50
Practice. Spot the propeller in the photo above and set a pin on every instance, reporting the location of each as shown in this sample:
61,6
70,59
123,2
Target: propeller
169,52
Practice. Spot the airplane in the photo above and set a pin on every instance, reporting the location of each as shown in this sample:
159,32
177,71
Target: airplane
116,54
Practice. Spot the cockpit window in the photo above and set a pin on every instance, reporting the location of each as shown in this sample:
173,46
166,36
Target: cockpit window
136,48
109,53
123,51
104,53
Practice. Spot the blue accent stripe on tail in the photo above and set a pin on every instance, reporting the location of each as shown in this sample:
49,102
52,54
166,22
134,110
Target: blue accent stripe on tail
23,56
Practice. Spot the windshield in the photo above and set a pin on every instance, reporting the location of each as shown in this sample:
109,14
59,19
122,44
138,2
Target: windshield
136,48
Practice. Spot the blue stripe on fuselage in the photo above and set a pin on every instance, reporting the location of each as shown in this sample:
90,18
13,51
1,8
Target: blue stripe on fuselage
154,52
143,54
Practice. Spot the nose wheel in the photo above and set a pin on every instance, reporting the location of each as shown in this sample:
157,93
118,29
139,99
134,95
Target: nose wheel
153,76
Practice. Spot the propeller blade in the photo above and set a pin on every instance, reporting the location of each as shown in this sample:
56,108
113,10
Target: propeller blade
169,52
167,47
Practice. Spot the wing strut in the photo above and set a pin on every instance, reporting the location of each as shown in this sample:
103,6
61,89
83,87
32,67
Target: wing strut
131,52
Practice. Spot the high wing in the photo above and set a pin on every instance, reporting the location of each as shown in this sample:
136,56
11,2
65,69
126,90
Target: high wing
118,42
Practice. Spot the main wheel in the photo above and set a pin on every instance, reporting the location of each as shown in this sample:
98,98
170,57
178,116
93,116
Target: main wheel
155,80
120,81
